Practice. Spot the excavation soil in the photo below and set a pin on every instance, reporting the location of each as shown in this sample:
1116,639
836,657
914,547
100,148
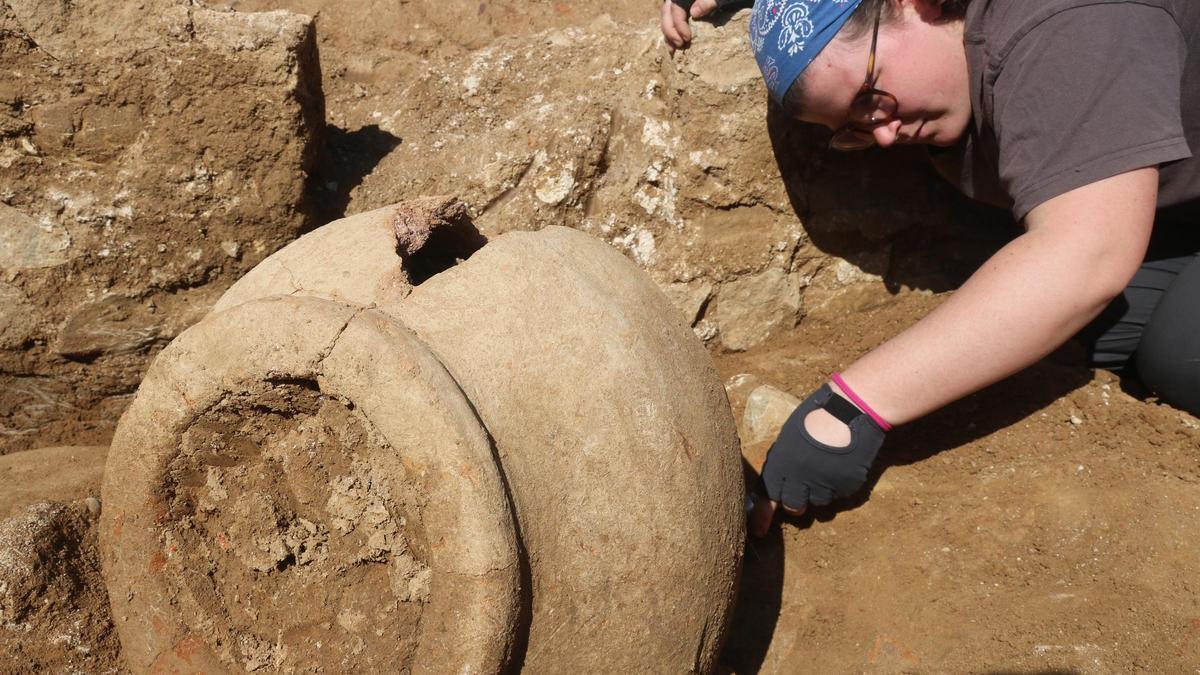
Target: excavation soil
289,488
1047,523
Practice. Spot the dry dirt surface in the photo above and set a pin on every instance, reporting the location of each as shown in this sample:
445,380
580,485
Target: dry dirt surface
1047,524
50,474
244,496
54,614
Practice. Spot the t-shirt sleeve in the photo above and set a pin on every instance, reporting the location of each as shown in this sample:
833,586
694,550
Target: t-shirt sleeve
1089,93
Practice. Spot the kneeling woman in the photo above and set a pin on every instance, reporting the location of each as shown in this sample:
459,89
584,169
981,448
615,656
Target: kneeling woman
1080,116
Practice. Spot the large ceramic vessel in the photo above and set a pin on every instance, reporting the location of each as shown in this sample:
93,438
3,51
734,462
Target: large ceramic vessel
375,456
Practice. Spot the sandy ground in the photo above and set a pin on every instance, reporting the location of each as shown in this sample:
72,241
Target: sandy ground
50,474
1043,525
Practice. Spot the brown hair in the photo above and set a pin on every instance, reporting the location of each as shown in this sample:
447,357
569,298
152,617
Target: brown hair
857,26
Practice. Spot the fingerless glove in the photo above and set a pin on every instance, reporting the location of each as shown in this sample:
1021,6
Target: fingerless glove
800,470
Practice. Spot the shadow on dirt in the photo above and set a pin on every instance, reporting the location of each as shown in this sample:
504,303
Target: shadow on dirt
983,413
886,211
969,419
347,157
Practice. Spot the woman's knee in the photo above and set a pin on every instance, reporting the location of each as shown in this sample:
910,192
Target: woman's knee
1168,355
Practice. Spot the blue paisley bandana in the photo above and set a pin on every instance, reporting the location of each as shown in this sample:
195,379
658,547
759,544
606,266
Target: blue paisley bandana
786,35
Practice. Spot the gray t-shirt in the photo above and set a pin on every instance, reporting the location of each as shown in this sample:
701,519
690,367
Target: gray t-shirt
1069,92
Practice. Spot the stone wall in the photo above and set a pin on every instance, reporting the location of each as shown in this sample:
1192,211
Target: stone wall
150,153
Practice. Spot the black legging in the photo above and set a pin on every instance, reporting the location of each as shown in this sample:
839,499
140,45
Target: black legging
1152,330
1168,358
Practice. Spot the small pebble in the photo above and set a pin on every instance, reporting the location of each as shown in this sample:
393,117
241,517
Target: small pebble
93,505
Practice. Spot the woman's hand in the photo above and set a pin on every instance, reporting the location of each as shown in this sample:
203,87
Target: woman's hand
823,452
675,28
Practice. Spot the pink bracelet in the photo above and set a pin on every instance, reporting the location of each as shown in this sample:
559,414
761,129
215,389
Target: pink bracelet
837,379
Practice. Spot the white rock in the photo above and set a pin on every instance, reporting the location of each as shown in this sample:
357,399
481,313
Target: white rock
705,330
767,409
27,244
689,298
553,190
640,244
738,389
848,273
749,309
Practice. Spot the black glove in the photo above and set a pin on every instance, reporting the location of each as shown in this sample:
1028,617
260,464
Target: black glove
800,469
721,4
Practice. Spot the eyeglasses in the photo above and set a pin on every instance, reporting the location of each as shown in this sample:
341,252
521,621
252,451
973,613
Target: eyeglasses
870,107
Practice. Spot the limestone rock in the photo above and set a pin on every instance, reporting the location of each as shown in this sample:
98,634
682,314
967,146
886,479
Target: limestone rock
751,308
767,408
28,244
690,298
738,389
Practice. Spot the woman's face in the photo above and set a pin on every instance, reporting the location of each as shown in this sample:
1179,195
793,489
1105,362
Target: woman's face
919,60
